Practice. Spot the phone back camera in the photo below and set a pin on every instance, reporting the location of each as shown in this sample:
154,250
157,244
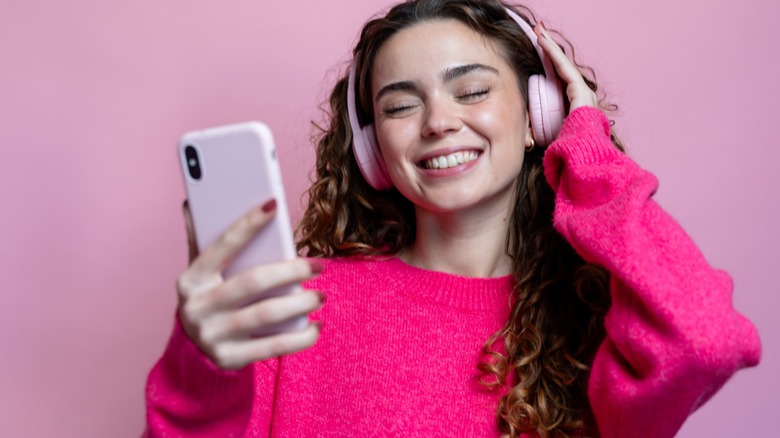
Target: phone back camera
193,162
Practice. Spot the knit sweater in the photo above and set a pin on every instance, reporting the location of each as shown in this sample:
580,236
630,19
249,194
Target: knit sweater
399,347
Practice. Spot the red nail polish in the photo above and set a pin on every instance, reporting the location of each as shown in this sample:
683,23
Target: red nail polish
269,206
315,266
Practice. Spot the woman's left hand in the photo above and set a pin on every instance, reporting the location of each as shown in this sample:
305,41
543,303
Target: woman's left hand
577,90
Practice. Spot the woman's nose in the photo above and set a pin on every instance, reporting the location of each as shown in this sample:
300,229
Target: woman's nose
440,118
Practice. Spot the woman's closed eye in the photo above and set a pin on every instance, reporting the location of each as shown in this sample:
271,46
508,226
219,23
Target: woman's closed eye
397,108
474,95
471,95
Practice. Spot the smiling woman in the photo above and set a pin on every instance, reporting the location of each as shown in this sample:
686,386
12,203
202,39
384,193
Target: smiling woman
477,283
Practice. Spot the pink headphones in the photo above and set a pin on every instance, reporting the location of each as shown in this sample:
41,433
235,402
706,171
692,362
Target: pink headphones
545,103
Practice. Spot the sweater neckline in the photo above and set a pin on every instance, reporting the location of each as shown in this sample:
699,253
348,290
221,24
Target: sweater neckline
457,291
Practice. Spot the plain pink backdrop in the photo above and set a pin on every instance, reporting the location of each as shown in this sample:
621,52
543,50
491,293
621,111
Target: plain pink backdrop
94,95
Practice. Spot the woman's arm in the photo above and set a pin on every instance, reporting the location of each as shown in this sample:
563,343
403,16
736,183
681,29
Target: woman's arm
673,336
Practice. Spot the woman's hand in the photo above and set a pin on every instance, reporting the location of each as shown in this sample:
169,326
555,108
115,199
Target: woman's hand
209,305
577,90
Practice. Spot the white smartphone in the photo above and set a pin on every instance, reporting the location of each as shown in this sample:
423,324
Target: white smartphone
227,171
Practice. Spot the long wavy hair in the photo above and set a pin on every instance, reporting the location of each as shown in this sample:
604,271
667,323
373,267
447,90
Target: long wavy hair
558,300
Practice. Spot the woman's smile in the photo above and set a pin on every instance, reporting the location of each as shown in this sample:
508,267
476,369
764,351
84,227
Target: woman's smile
450,160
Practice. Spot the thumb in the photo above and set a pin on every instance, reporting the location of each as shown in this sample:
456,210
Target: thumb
192,242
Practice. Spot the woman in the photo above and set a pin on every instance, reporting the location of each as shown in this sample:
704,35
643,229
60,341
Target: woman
468,269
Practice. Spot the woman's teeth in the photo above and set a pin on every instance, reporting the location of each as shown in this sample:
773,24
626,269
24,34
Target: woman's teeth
451,160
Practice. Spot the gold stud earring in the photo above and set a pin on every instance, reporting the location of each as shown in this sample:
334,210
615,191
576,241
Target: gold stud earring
530,146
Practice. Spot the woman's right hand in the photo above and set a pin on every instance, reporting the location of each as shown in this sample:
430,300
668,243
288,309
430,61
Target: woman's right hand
209,305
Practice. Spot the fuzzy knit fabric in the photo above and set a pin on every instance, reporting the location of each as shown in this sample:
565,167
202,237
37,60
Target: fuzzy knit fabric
400,345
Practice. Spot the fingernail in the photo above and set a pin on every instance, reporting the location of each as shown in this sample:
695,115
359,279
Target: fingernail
269,206
315,266
321,296
541,23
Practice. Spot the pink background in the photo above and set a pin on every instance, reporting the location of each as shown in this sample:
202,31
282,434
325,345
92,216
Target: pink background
94,95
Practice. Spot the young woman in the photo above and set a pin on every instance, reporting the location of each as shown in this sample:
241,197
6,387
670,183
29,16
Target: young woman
477,283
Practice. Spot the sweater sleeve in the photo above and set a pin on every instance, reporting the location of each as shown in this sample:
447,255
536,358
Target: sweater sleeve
187,395
673,336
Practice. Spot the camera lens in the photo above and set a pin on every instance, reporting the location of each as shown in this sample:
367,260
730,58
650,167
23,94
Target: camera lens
193,162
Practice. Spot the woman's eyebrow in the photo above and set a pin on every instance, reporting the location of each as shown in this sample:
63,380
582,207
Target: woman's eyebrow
395,86
456,72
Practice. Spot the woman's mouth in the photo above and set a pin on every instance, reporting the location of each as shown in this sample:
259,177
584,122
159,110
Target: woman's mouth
449,160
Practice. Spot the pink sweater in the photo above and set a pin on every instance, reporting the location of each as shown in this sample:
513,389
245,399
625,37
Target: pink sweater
400,345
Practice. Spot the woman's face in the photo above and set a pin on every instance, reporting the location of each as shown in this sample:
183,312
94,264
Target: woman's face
449,117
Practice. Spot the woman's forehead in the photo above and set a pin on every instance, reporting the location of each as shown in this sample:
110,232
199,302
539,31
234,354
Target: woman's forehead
431,47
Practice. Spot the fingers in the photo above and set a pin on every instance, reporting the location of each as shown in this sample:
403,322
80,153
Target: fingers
255,282
241,323
578,92
563,66
250,286
235,355
227,333
226,337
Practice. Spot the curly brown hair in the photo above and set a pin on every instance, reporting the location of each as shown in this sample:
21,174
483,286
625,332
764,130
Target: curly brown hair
558,300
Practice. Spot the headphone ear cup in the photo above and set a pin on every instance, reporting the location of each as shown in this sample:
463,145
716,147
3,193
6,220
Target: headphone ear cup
536,110
364,143
370,160
545,105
